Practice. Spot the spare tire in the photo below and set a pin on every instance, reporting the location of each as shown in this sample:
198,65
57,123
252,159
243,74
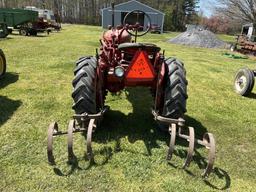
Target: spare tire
244,81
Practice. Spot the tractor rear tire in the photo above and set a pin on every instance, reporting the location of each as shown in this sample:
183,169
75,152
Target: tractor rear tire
244,81
175,91
84,93
2,64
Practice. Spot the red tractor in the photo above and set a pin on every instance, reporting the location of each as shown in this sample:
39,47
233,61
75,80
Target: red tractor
122,62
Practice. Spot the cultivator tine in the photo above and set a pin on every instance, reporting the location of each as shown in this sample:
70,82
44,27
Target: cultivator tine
172,131
91,126
74,127
71,127
53,129
209,142
190,151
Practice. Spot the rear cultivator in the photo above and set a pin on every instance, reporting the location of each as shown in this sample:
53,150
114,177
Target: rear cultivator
88,124
122,63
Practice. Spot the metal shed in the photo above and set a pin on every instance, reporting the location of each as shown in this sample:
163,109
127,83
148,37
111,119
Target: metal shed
157,17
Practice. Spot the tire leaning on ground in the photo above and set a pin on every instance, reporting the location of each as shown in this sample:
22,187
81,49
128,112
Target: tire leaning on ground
84,93
175,91
2,64
244,81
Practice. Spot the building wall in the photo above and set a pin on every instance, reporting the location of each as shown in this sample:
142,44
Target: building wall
155,16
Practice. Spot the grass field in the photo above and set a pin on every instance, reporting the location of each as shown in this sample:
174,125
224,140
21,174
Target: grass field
129,151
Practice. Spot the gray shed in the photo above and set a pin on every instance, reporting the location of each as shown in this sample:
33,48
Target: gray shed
157,17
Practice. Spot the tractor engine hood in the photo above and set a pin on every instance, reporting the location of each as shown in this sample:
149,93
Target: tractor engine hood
124,36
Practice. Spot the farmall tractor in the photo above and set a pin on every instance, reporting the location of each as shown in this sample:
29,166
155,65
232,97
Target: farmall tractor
2,64
123,62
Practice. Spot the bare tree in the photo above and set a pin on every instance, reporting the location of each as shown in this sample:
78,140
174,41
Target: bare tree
240,10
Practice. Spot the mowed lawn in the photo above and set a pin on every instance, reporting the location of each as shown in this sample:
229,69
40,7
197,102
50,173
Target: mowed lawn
129,151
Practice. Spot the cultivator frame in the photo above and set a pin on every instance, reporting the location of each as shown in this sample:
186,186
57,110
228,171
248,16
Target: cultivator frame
88,124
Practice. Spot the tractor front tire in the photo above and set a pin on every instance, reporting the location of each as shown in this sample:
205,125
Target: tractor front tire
175,90
2,64
244,81
84,93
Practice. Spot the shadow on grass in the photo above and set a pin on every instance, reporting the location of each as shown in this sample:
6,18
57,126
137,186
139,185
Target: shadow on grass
140,126
251,96
223,175
8,78
7,108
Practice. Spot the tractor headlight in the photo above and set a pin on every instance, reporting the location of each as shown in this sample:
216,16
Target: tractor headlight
119,71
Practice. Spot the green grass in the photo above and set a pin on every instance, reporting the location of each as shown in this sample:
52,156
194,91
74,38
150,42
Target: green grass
129,151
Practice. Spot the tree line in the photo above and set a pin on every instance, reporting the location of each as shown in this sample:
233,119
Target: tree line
178,13
229,16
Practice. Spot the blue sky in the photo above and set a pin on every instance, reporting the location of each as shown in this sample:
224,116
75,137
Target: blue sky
206,6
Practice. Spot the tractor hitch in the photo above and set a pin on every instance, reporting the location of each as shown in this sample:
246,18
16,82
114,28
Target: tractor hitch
208,141
87,123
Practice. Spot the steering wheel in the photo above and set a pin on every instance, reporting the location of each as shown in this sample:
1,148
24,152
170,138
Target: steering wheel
134,29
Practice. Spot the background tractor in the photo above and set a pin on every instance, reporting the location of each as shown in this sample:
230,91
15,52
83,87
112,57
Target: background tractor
123,62
246,41
2,63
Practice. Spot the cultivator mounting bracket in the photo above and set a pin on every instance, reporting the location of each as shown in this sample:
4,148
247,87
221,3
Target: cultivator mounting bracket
208,141
80,123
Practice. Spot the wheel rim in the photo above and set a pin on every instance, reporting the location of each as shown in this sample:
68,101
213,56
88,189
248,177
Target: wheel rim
240,83
1,65
23,32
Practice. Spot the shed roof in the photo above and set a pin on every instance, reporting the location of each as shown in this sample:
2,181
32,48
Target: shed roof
134,2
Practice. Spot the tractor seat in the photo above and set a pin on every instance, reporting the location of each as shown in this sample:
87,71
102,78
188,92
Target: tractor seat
144,46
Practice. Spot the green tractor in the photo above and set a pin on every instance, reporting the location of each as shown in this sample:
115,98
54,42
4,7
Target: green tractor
2,63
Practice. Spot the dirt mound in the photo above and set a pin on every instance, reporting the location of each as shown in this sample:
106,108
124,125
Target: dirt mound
199,38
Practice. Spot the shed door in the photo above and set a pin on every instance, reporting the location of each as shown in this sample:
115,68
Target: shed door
133,18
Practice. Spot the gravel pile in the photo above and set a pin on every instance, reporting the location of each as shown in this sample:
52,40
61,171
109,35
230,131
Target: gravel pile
199,38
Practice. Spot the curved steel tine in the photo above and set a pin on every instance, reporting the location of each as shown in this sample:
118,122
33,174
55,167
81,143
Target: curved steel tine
89,140
190,151
71,127
172,131
53,128
209,141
